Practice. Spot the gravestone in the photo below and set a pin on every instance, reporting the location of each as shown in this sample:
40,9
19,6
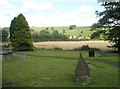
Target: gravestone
82,72
6,54
103,53
91,53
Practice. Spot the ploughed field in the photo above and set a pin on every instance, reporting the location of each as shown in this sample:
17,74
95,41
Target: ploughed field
70,45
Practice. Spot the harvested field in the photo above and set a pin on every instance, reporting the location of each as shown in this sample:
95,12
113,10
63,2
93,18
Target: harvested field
69,45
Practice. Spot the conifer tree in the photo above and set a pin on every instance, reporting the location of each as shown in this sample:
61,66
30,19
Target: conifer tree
20,35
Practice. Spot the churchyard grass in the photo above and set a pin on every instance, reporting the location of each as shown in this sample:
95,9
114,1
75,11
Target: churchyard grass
52,68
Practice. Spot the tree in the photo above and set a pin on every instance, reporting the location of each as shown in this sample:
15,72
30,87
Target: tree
81,32
96,34
58,36
72,27
45,32
45,35
4,35
109,22
20,35
55,32
52,28
64,31
47,29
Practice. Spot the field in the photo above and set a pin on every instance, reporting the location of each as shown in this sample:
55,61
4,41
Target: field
76,31
51,68
69,45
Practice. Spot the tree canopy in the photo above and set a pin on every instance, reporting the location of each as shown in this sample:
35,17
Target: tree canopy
109,22
20,35
4,37
72,27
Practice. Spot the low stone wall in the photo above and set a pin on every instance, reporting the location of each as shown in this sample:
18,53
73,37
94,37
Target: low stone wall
7,57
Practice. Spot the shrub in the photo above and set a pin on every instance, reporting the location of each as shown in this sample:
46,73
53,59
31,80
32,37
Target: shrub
86,47
56,48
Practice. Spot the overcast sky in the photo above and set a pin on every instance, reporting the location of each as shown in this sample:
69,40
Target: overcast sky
50,12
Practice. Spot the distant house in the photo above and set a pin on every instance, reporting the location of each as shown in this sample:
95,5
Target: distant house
70,37
79,38
87,38
74,37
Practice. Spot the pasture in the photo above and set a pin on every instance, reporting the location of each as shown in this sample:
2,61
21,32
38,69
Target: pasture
52,68
76,31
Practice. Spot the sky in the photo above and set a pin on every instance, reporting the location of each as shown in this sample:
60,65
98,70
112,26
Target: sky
43,13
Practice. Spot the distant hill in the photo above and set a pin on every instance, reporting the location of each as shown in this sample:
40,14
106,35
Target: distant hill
65,30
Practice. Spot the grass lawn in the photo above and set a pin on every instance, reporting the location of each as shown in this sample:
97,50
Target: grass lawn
45,68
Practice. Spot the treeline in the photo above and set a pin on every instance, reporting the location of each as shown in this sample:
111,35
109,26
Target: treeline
46,35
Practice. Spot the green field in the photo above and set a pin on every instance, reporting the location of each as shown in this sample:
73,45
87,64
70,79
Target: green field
52,68
76,31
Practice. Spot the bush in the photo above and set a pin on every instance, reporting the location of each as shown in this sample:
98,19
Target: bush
45,35
72,27
86,47
56,48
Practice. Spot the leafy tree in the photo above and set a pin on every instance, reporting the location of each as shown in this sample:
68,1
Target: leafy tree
58,36
64,31
20,35
45,35
55,32
44,32
81,32
96,34
36,37
4,35
72,27
47,28
52,28
109,22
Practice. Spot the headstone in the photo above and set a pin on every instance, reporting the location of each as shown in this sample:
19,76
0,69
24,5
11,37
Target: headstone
103,53
82,72
6,54
91,53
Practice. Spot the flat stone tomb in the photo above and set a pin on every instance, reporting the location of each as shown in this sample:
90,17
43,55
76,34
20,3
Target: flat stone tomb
6,55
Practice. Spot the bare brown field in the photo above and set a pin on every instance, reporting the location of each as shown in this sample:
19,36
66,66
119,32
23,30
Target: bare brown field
69,45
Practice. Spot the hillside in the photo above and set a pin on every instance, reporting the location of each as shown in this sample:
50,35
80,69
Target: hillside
66,31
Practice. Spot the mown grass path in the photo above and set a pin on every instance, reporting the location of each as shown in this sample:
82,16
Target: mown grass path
116,64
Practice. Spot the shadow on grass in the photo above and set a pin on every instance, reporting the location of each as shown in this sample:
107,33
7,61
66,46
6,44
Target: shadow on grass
29,55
